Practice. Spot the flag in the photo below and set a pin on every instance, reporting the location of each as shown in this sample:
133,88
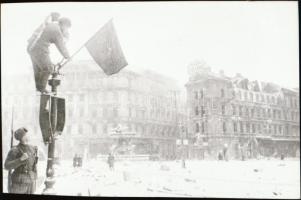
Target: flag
106,51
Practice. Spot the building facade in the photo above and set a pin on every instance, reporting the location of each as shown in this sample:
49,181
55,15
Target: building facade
252,118
145,106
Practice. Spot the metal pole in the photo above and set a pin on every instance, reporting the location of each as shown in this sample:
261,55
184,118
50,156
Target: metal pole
183,152
50,179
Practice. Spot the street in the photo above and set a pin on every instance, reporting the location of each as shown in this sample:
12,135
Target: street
244,179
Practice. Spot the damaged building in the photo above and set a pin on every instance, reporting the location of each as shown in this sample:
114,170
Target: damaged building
250,117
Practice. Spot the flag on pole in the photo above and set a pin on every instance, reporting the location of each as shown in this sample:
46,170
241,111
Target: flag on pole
106,51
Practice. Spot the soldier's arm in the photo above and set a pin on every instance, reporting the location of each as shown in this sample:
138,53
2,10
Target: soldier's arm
12,162
60,44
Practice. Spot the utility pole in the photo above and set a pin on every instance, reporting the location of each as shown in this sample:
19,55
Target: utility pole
181,128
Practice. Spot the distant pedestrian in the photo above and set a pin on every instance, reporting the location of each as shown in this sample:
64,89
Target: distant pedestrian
282,156
220,155
75,161
111,160
225,149
80,161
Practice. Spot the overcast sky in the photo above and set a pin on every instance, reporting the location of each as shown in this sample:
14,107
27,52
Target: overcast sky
258,39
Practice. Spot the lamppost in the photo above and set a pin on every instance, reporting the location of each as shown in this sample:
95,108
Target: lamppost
183,143
236,119
54,82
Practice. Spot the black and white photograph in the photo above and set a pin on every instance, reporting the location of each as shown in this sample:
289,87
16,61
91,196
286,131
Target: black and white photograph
171,99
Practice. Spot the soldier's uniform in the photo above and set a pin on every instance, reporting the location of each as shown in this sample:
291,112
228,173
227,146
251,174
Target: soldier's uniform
24,173
39,53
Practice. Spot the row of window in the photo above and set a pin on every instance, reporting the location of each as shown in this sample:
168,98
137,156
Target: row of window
247,127
262,112
158,101
200,94
151,130
253,112
265,98
253,97
132,112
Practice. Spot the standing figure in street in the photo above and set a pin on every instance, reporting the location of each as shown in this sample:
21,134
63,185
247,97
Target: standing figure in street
38,49
225,149
22,159
220,155
242,152
111,160
75,161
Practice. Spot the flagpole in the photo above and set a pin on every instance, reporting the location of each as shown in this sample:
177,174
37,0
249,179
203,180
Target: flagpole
64,63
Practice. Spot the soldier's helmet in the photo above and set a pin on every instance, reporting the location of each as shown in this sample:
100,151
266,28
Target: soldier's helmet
20,133
65,21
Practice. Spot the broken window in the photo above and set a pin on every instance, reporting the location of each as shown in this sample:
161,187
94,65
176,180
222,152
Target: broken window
241,127
223,109
234,109
224,127
240,110
253,128
197,127
202,111
248,127
235,127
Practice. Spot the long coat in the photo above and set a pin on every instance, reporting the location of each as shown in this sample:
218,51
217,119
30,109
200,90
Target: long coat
24,172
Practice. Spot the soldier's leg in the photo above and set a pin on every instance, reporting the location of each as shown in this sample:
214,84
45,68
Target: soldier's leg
46,68
32,188
37,72
44,80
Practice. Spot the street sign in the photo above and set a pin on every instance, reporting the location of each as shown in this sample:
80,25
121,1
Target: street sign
185,142
178,142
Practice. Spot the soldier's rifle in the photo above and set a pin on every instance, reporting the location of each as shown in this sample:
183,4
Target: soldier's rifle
9,182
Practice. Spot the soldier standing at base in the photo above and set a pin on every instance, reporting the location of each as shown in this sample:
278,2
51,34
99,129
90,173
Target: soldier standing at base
53,33
23,160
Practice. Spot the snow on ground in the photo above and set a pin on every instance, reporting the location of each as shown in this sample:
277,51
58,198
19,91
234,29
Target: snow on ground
244,179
